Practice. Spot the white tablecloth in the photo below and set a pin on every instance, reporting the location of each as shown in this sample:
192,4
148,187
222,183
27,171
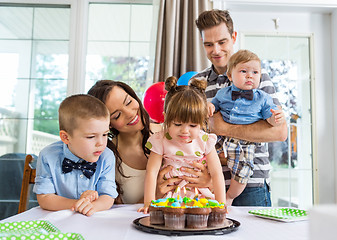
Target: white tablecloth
117,223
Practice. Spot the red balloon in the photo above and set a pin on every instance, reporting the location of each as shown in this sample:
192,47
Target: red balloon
154,98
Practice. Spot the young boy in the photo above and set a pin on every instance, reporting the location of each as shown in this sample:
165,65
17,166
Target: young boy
78,172
243,103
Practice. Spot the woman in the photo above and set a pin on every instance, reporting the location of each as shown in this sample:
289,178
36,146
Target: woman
130,128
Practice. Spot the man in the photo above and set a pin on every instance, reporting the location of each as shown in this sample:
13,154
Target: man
218,36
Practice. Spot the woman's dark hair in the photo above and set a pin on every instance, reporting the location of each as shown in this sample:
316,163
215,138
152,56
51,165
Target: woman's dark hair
101,90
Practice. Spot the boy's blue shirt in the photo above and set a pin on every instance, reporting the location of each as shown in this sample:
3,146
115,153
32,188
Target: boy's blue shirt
50,179
243,111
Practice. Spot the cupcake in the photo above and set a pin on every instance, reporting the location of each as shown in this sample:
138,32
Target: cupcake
156,213
174,217
196,217
178,213
217,217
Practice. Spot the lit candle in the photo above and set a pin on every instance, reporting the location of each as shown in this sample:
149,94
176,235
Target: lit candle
185,199
196,194
178,191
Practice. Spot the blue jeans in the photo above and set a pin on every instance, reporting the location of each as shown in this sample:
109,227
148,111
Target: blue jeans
254,196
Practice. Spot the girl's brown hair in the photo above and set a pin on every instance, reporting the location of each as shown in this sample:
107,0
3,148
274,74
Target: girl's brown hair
185,103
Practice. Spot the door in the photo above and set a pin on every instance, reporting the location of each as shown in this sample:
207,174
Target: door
286,58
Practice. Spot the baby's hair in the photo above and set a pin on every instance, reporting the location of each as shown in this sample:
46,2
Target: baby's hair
80,106
185,103
241,56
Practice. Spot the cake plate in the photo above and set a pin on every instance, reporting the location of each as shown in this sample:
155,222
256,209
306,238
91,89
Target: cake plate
143,224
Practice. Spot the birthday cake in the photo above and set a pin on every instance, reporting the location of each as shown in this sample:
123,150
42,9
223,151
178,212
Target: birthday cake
179,213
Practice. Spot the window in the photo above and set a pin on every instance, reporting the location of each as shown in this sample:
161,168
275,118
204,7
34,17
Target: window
119,37
34,71
36,50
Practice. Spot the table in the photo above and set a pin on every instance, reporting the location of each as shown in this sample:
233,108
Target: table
116,223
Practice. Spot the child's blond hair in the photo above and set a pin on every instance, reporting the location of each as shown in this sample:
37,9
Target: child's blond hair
80,106
185,103
241,56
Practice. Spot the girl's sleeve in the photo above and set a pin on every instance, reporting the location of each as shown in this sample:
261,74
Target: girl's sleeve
210,142
155,143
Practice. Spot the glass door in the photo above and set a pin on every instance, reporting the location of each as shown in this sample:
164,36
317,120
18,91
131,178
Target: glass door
287,60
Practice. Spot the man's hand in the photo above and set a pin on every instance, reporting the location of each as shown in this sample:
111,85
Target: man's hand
217,125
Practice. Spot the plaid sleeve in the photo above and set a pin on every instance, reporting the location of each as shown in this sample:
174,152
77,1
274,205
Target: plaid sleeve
267,86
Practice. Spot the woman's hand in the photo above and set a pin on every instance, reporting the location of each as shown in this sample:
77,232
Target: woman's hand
165,185
202,179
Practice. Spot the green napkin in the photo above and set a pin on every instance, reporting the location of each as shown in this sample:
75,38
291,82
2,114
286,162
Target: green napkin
39,229
281,214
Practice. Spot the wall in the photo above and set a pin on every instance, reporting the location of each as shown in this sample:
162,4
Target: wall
334,87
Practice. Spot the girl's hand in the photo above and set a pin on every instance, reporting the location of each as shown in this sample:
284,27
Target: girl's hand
229,201
202,179
90,194
165,185
144,209
84,206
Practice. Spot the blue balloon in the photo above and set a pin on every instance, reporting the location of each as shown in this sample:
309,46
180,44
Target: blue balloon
183,80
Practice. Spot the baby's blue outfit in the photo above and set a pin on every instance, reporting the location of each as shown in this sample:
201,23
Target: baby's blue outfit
241,111
50,179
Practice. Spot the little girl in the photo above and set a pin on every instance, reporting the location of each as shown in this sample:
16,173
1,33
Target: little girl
182,141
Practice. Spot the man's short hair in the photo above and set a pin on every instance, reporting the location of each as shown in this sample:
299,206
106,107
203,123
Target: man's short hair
214,17
80,106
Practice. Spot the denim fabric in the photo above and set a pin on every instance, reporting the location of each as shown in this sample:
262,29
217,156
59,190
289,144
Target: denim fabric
243,111
254,196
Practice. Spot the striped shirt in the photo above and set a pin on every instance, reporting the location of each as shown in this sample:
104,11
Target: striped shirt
262,165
